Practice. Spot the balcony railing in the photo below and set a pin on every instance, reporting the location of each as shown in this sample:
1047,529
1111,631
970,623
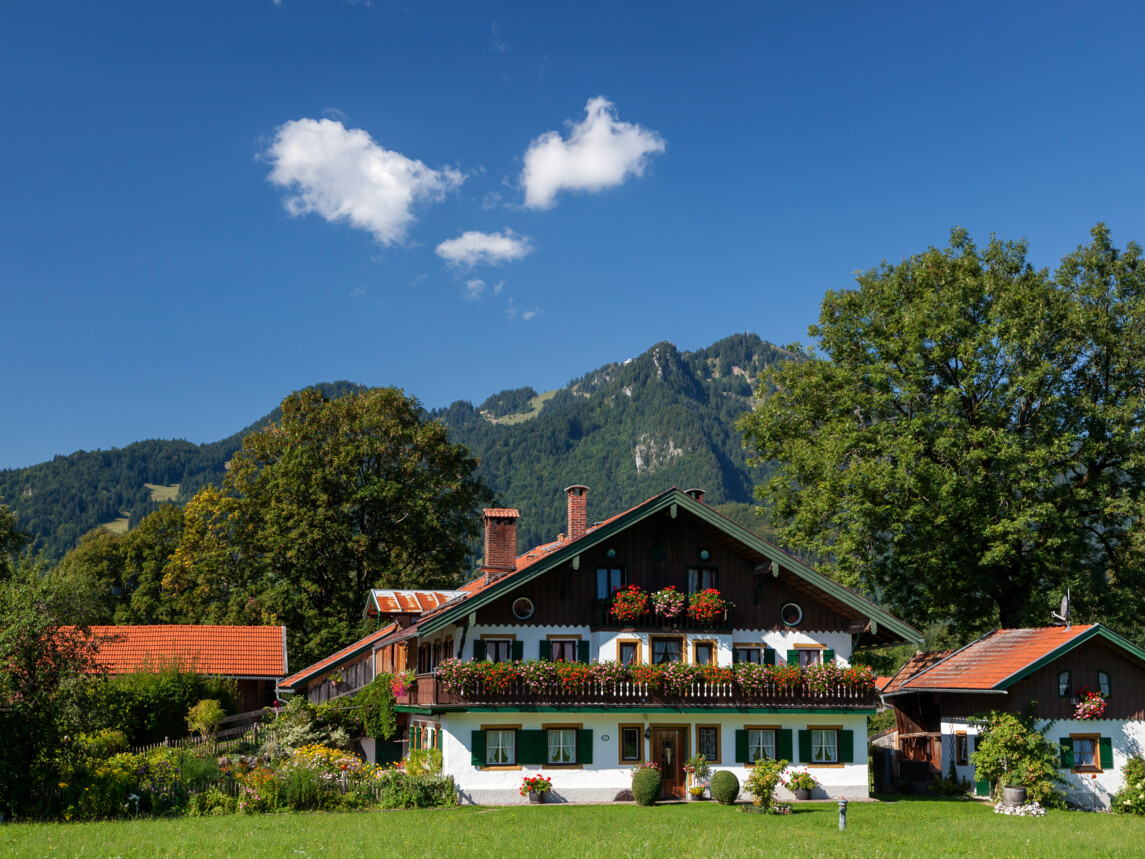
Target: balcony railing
430,691
602,618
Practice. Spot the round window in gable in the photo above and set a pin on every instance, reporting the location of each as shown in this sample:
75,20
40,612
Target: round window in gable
791,613
523,608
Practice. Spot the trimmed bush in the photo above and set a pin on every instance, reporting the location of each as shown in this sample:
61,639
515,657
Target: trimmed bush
725,787
646,786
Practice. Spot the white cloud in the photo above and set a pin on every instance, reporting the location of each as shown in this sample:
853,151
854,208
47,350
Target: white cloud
343,175
358,292
499,44
499,287
474,247
600,152
473,289
529,315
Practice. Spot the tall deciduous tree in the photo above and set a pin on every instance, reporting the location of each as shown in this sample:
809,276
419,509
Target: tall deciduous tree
11,541
343,495
969,443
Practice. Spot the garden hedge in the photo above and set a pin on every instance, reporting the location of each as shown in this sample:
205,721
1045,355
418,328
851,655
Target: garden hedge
725,787
646,786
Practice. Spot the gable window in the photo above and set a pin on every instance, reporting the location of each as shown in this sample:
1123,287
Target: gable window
501,747
702,578
703,653
1104,683
631,743
628,652
498,649
760,744
708,742
562,746
608,581
665,650
824,746
961,749
1065,686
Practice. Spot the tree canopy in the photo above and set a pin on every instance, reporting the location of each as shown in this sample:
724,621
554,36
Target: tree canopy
967,444
343,495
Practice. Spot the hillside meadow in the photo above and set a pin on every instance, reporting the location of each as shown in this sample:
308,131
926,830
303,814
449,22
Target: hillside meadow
906,827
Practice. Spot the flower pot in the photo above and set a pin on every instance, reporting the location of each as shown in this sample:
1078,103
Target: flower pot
1014,795
696,797
802,795
537,796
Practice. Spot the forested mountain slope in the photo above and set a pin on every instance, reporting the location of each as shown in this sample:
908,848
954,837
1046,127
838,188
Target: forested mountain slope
627,430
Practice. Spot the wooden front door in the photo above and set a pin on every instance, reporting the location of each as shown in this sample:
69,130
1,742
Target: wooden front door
668,750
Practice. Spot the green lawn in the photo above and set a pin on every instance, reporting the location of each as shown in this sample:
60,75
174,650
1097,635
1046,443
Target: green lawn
897,828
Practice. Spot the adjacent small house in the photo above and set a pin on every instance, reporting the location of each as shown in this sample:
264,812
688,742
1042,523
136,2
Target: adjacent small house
1051,670
253,656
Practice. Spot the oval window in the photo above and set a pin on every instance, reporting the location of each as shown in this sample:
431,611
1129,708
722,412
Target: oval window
523,608
791,614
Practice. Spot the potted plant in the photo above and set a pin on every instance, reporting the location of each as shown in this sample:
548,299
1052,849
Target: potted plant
669,602
629,603
535,787
801,783
698,770
706,606
696,792
1090,705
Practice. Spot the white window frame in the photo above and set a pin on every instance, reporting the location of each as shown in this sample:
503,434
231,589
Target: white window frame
824,746
760,744
561,744
500,753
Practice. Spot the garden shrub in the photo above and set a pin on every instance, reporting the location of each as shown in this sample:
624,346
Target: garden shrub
1131,798
298,725
424,762
151,705
762,781
396,789
205,717
1012,751
211,802
646,784
375,704
724,787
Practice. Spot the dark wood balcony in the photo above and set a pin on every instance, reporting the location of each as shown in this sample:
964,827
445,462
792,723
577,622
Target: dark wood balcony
429,691
602,618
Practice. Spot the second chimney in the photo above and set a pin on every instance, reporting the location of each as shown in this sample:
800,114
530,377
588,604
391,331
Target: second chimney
698,494
500,540
578,511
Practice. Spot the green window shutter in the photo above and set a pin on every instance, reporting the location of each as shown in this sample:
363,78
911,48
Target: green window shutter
828,656
582,652
546,652
769,656
804,747
517,650
793,657
783,749
1066,745
1105,745
532,747
477,747
584,746
741,747
735,656
478,649
847,747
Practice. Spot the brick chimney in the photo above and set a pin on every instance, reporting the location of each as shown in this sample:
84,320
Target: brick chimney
698,494
500,541
578,511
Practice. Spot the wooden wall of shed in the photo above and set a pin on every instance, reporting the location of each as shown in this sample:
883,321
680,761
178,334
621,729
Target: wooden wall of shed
565,595
1127,698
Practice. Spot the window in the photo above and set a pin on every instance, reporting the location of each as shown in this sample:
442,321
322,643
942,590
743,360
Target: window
666,650
760,744
703,653
631,743
523,608
753,655
501,747
708,742
562,746
824,746
808,656
564,649
497,649
1104,683
1064,685
628,652
791,614
961,749
447,651
700,579
1085,753
608,581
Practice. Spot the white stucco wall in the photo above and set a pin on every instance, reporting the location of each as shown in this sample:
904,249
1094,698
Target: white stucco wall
601,780
1081,788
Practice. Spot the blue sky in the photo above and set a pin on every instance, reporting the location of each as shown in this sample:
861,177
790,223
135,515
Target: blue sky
208,205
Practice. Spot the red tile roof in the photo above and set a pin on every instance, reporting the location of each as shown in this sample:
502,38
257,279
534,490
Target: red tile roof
386,601
919,662
234,651
988,662
332,660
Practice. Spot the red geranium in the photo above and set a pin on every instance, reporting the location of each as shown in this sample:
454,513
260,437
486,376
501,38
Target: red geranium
628,604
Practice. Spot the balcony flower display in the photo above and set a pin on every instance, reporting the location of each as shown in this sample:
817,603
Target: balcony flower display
706,606
1090,705
401,683
629,603
669,602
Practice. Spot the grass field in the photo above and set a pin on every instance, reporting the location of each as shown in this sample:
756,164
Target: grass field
897,828
162,493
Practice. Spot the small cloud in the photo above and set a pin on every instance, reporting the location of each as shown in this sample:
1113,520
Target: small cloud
421,278
600,152
499,44
492,200
473,289
529,315
499,287
333,113
343,175
358,292
475,247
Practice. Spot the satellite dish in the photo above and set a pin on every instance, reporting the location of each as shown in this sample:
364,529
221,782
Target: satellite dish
1063,615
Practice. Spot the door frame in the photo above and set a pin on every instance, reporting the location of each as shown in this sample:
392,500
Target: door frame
683,732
